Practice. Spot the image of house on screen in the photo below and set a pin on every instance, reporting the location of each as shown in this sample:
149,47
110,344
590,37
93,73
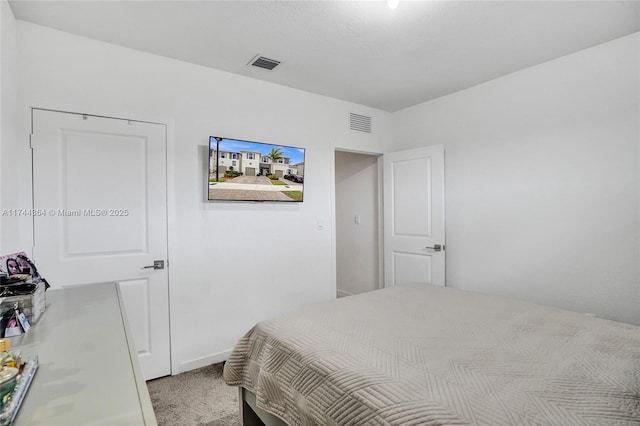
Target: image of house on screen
247,158
253,164
254,171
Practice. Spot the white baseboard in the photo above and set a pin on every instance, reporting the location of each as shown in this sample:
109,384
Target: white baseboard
342,293
201,362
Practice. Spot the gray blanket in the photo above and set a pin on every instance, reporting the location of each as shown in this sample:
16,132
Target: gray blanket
425,355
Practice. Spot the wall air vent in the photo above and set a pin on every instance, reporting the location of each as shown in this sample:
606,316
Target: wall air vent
359,123
262,62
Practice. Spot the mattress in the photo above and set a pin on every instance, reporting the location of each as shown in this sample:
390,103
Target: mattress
426,355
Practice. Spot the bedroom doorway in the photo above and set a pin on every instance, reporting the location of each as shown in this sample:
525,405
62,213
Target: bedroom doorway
100,184
358,222
390,219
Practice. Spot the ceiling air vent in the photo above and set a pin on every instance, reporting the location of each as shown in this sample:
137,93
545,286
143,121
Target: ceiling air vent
262,62
360,123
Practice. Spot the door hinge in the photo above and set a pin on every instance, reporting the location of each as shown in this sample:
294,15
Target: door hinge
34,140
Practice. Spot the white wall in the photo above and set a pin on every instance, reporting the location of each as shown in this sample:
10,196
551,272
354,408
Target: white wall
357,248
9,230
542,180
220,286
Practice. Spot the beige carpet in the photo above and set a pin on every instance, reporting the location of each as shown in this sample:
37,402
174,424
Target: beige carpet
195,398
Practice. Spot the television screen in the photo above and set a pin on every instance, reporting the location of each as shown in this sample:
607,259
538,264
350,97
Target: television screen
254,171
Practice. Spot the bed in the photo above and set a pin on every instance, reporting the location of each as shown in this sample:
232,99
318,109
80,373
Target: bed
426,355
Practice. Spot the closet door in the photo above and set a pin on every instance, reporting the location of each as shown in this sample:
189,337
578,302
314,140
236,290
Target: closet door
101,183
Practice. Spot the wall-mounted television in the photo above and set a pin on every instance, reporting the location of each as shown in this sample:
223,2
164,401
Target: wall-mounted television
254,171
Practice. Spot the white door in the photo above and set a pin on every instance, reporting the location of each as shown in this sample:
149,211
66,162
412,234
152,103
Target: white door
414,216
99,187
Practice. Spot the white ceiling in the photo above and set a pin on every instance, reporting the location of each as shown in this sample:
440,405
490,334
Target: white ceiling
359,51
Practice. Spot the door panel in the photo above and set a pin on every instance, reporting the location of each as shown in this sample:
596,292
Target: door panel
412,268
411,208
88,183
102,184
414,216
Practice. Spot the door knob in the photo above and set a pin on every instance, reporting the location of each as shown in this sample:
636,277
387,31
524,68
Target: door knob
157,264
436,247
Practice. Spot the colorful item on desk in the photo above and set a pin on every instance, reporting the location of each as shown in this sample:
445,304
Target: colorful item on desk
17,323
8,357
13,329
24,322
8,377
13,400
15,378
10,366
18,264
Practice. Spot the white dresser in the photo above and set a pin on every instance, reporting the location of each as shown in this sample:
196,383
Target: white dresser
89,372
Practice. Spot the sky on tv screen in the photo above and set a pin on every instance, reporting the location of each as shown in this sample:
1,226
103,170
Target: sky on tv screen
232,145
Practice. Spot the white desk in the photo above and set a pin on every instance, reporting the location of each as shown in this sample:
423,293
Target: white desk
89,372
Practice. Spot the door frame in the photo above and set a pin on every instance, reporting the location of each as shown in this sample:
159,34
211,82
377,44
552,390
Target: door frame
380,175
380,225
28,235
